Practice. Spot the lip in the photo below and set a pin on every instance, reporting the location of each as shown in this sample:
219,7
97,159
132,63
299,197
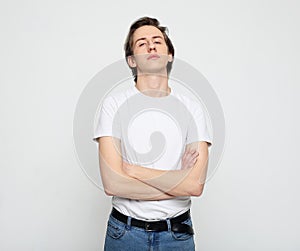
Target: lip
153,56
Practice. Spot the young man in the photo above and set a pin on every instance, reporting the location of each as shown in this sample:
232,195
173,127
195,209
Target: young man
151,189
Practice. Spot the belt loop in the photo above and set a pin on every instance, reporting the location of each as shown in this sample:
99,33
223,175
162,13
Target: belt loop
169,224
128,225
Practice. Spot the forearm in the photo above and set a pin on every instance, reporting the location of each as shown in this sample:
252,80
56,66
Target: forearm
115,181
184,182
125,186
175,182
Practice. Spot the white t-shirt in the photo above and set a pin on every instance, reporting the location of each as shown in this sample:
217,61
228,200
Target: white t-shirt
153,132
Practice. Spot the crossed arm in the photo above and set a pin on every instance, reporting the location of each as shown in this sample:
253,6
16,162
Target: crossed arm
136,182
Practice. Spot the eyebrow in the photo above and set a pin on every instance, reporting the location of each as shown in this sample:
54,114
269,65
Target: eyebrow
143,38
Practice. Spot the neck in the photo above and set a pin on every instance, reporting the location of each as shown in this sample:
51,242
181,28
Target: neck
153,85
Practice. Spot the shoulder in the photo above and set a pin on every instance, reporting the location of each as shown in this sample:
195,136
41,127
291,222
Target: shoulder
191,103
117,98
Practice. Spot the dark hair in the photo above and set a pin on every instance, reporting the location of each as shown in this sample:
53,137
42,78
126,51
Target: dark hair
129,40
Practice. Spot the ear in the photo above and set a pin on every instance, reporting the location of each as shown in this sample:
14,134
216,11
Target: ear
170,58
131,61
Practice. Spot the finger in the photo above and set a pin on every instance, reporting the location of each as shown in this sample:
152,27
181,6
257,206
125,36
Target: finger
186,154
195,154
190,151
192,154
183,159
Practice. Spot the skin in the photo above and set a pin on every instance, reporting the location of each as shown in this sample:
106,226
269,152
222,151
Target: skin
152,74
136,182
117,179
184,182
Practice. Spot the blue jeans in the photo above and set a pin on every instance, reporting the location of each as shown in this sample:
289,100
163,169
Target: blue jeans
121,236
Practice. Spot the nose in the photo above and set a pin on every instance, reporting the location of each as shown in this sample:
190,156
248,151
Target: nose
151,46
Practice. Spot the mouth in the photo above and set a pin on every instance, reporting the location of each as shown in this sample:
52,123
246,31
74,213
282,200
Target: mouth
153,56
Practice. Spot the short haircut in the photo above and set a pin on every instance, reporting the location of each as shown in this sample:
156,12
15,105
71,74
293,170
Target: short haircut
128,46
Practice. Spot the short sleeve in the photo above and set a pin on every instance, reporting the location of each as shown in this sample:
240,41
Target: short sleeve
197,127
108,123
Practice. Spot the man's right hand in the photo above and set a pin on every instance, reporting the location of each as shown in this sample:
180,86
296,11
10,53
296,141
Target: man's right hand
189,158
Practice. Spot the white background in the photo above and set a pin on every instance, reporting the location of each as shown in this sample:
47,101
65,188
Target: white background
248,51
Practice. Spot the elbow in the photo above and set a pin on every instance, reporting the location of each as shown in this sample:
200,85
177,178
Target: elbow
197,189
108,190
108,186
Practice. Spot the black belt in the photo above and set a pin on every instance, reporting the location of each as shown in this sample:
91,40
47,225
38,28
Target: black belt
161,225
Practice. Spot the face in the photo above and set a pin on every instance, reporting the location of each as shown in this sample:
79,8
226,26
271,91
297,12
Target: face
150,51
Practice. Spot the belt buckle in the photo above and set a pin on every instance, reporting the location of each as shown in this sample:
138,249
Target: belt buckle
148,227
